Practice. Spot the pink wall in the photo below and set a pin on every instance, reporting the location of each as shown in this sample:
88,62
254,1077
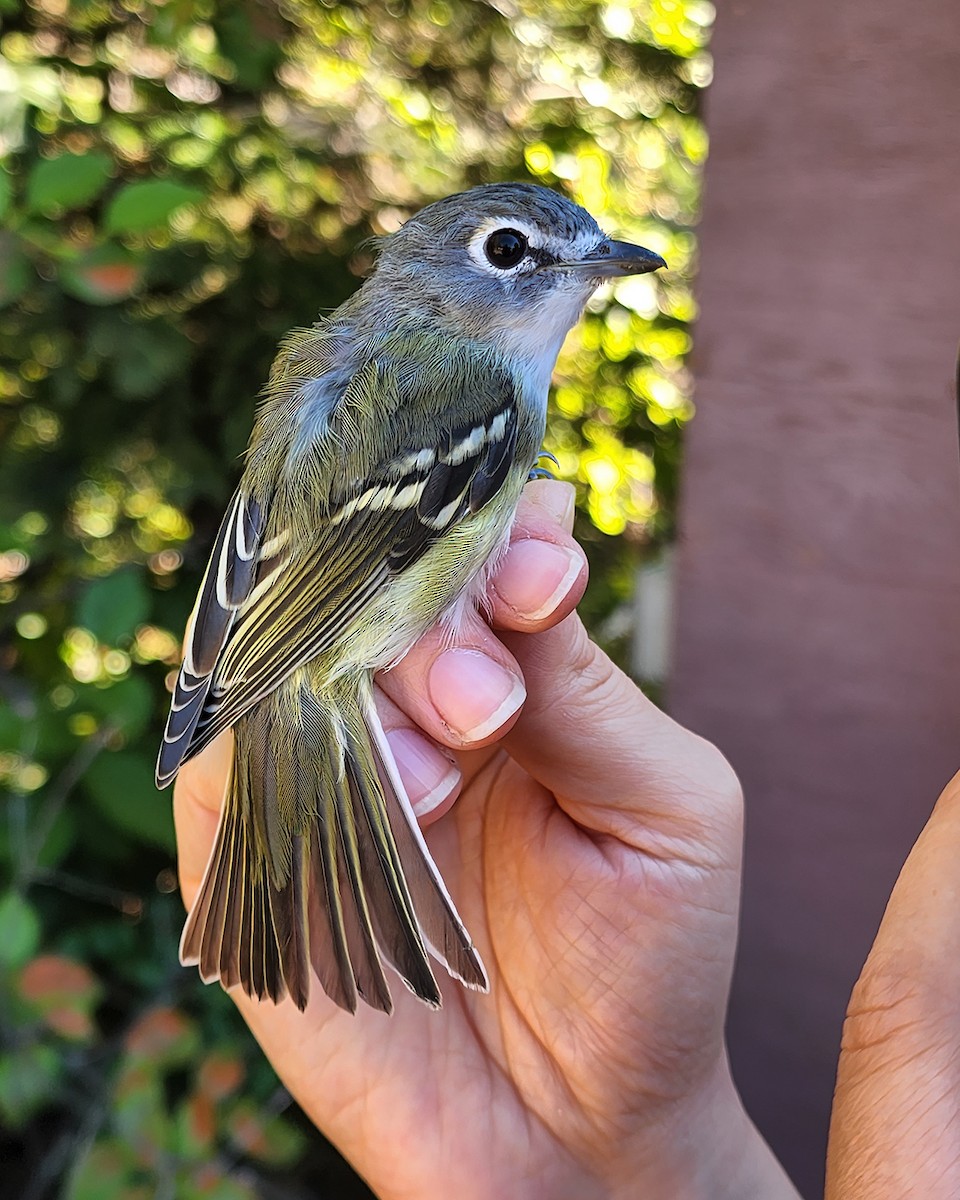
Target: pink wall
818,636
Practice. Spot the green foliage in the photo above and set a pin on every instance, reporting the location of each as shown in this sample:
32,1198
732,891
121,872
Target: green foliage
121,786
19,930
66,181
140,207
180,183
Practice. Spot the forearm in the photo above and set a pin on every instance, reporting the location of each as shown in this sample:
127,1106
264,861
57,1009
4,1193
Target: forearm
895,1130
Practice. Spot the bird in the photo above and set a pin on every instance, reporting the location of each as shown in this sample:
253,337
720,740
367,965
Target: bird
391,444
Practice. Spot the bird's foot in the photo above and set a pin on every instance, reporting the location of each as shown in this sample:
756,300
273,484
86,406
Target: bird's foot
543,472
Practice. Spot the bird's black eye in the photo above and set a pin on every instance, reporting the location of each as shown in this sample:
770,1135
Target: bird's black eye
505,248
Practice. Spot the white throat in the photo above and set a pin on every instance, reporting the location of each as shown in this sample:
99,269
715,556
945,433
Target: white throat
533,340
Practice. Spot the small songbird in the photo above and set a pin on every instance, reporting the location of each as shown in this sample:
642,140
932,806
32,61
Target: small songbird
387,460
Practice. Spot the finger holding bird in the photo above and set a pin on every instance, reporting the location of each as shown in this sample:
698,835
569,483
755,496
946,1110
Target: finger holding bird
467,693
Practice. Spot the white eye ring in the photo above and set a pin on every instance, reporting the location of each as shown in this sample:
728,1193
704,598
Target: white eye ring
520,228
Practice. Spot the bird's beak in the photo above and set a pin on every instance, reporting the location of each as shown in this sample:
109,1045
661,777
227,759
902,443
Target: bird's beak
610,259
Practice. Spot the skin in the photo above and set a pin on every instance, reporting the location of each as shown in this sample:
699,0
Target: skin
593,847
895,1131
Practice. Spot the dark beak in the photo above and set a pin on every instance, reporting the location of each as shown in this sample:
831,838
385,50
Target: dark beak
611,259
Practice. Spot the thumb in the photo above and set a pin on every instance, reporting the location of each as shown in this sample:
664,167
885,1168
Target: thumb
616,763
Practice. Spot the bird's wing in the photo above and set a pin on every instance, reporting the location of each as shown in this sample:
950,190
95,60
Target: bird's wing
264,609
226,585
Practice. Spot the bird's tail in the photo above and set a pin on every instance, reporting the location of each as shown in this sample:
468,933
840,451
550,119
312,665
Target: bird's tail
319,866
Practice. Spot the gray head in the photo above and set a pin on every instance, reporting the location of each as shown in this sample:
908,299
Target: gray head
510,263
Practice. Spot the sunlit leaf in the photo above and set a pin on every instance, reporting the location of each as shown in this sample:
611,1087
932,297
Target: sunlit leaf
139,207
67,181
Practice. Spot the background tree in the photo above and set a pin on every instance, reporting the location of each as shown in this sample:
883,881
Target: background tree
182,182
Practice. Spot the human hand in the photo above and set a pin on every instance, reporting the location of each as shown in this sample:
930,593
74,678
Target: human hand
594,854
895,1117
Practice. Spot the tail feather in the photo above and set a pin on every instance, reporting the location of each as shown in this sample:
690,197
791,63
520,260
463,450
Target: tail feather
358,928
440,922
329,953
397,927
211,935
319,867
252,771
233,917
244,902
288,906
201,923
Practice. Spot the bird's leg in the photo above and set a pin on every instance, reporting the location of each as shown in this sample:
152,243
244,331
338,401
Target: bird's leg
543,472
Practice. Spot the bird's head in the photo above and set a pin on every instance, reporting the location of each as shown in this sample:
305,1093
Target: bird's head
509,263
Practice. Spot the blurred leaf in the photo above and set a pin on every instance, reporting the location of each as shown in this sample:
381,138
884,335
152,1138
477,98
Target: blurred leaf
197,1126
19,930
209,1181
68,181
63,992
29,1079
123,789
126,704
11,727
60,839
219,1075
254,55
102,1174
139,207
16,270
6,193
142,355
102,276
112,607
162,1037
268,1138
144,362
140,1115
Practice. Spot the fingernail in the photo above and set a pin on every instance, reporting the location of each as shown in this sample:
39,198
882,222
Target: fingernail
536,576
428,775
473,694
555,499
